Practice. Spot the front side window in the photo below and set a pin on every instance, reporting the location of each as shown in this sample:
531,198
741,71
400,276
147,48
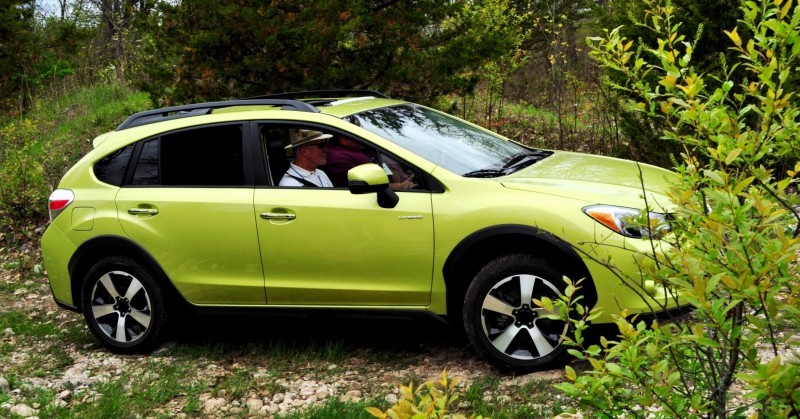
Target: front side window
444,140
208,156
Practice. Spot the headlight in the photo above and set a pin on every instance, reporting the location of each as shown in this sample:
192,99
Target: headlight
630,222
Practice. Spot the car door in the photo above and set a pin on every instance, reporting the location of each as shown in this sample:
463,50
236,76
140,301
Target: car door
330,247
187,203
326,246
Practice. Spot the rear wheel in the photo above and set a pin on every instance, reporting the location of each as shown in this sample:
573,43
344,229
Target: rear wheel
504,324
124,305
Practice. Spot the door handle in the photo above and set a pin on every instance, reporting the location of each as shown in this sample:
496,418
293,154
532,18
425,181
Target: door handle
277,216
142,211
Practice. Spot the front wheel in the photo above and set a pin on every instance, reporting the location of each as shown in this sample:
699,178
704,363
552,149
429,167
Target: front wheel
504,324
124,305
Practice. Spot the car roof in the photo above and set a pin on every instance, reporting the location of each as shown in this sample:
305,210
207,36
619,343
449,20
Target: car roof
338,103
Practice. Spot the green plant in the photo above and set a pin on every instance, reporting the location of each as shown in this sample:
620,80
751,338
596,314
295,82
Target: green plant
38,148
734,240
429,400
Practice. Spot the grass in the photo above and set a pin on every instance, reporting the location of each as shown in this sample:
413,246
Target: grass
335,409
28,326
174,379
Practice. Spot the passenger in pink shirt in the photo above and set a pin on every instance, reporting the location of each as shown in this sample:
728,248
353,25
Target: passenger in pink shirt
345,154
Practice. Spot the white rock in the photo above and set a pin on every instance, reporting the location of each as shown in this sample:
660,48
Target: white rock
23,410
214,404
4,386
64,395
352,396
59,403
76,372
254,405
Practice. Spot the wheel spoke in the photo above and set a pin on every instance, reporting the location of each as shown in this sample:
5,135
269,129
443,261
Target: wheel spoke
526,283
109,286
496,305
543,346
141,317
120,337
133,288
503,341
102,310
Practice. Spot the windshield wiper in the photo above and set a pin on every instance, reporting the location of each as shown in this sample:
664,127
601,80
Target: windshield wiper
517,162
486,173
526,159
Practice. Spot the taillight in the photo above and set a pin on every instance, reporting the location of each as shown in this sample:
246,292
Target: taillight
59,199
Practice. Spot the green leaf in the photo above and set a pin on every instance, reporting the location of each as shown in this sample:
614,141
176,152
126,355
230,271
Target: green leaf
714,176
733,155
614,368
704,341
673,378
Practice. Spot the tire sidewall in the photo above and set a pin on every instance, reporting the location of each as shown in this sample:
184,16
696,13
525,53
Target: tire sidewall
489,276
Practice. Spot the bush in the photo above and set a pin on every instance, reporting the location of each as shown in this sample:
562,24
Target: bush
39,147
734,243
430,400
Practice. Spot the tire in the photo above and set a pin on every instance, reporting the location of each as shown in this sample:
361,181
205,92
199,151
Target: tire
511,332
124,305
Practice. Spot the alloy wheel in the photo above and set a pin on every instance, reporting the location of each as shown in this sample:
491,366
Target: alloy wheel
121,306
514,325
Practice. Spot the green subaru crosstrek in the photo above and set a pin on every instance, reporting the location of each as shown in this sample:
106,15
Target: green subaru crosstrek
180,208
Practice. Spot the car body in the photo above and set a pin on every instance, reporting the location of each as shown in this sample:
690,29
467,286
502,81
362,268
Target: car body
179,208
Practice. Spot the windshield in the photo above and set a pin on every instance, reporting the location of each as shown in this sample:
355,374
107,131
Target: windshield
447,141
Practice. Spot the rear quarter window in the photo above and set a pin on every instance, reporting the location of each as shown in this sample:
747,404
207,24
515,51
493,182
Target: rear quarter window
111,168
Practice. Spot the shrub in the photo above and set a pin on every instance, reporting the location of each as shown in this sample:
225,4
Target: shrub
734,242
430,400
39,147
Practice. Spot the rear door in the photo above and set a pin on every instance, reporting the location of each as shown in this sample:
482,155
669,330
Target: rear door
189,203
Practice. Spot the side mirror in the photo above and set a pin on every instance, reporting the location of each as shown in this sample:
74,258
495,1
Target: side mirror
369,178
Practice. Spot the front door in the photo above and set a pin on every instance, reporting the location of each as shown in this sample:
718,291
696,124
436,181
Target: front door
325,246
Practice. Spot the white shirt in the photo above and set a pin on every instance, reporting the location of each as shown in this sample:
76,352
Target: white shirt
317,177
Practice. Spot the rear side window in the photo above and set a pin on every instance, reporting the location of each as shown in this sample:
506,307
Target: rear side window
208,156
111,169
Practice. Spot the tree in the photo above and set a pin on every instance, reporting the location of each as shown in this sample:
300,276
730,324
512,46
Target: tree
414,49
706,20
17,55
116,20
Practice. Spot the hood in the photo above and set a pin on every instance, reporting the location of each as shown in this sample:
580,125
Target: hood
597,179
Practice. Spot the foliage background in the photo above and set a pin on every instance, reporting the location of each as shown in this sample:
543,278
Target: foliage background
515,66
76,68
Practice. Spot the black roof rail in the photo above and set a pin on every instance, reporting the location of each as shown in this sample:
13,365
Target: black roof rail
323,94
183,111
